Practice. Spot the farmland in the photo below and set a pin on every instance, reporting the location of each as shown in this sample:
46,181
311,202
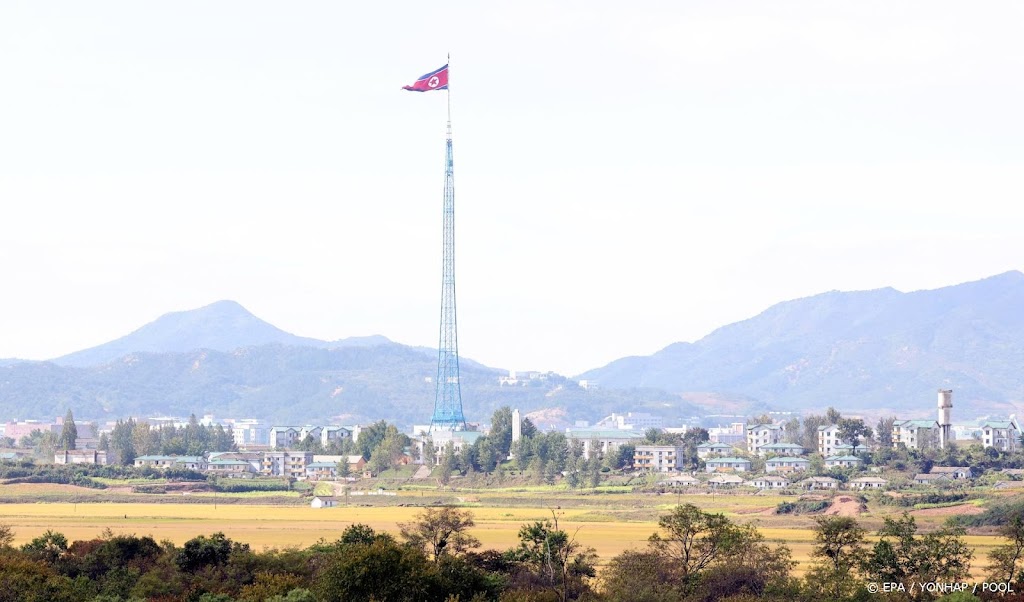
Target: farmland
610,521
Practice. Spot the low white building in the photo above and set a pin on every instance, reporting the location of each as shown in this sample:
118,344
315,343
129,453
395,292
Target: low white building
780,449
604,440
727,465
819,483
724,481
770,482
324,501
786,464
710,450
843,462
867,483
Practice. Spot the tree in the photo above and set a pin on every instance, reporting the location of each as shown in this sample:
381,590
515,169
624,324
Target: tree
884,432
528,430
694,539
381,570
690,441
448,462
838,544
441,531
501,432
852,430
762,419
902,556
810,436
555,557
832,415
202,551
6,535
69,433
1003,560
48,547
344,469
791,430
640,576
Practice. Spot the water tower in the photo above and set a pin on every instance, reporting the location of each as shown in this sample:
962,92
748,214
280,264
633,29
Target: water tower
945,416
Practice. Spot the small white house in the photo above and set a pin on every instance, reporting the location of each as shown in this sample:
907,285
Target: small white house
867,483
786,464
724,481
957,473
324,501
819,483
727,465
843,462
770,482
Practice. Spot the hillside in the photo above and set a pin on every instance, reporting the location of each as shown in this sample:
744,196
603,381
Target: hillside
292,385
221,359
880,349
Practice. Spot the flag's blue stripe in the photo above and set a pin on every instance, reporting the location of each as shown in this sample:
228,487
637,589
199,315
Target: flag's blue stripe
432,73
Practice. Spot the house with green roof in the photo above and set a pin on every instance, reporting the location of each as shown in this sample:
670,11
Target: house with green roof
156,461
786,464
707,450
727,465
781,449
843,462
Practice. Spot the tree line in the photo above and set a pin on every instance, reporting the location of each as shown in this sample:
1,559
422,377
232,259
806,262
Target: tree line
695,556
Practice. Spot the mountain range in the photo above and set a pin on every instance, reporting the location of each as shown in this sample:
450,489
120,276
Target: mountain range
878,350
223,360
874,352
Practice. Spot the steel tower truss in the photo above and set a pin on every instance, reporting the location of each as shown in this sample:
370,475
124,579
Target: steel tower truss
448,394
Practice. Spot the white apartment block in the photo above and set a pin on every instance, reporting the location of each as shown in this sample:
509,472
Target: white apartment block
630,421
828,439
601,440
250,432
762,434
1003,435
659,458
915,434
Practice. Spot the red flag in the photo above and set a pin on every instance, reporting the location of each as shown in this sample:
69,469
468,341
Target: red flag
435,80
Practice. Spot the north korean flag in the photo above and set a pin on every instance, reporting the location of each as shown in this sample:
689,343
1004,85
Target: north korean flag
435,80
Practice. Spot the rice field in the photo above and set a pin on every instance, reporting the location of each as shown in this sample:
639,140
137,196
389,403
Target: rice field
299,526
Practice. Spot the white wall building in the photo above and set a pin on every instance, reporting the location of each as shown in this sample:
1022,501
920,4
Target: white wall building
1003,435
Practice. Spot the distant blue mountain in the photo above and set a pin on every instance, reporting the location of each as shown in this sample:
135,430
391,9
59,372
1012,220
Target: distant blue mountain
858,350
221,359
220,326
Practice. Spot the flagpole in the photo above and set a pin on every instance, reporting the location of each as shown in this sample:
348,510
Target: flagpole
449,90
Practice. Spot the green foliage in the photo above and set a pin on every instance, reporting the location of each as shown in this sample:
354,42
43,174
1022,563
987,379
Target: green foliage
441,531
243,485
802,507
903,556
202,551
68,433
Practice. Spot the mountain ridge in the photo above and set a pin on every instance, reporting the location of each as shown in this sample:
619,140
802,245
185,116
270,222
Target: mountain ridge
220,326
878,346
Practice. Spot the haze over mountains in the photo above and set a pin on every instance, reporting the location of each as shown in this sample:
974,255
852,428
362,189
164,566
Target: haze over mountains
220,326
872,351
879,349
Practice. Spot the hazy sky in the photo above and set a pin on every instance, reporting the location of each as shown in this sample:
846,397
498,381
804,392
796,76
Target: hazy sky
627,175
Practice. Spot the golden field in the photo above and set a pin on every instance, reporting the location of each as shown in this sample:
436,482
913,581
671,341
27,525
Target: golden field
608,530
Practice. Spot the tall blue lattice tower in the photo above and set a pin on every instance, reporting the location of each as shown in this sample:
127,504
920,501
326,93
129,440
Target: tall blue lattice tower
448,394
